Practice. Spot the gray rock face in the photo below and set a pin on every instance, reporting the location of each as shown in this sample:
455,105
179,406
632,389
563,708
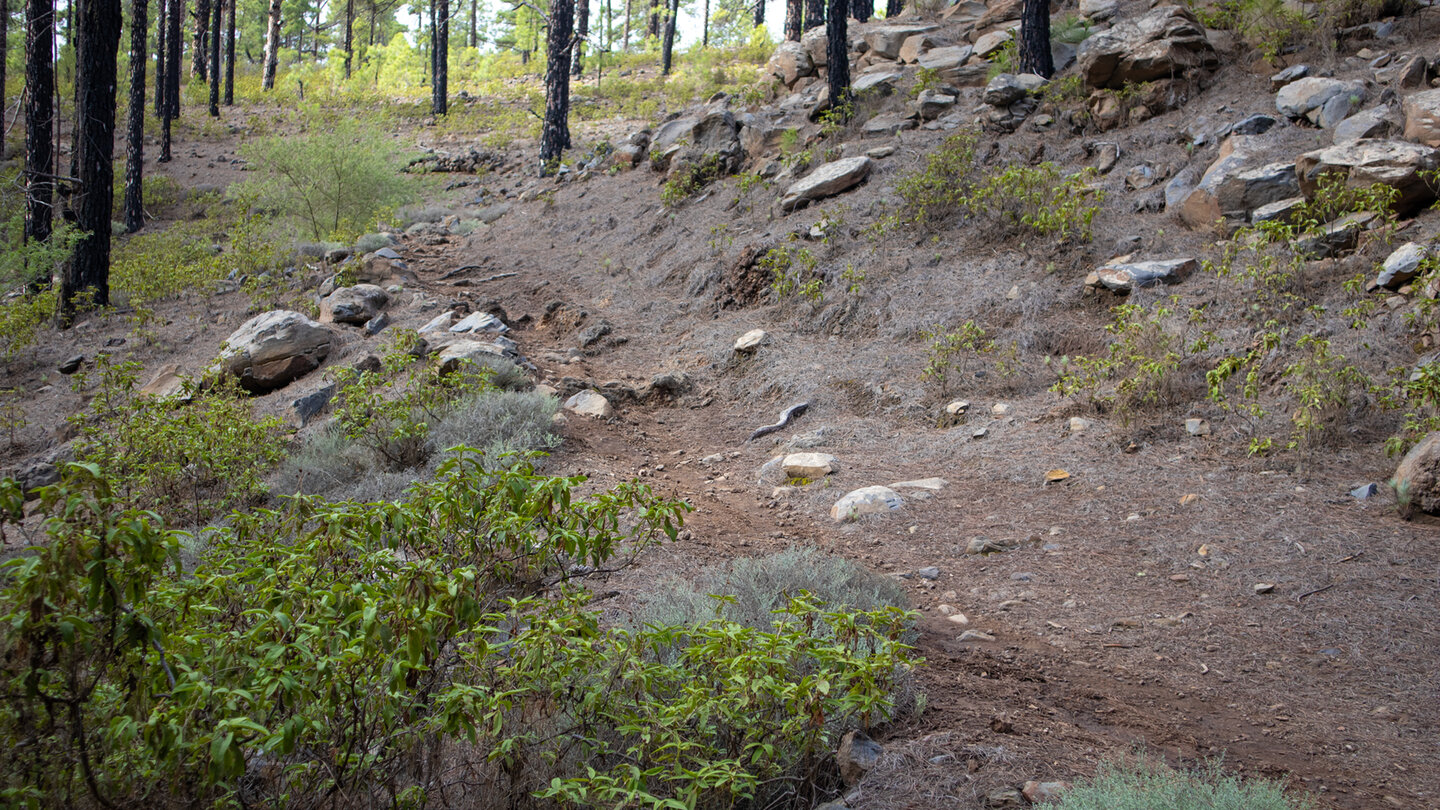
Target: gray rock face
932,104
273,349
789,63
1231,189
1402,266
1304,97
1397,164
353,305
865,501
1422,117
826,181
990,44
1166,42
946,61
1336,236
881,82
1008,88
917,44
1278,211
589,403
887,124
885,41
1376,122
1290,74
1124,277
857,756
1417,480
1099,10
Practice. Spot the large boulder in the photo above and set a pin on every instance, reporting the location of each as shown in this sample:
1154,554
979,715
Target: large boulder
1397,164
865,501
1167,42
1402,266
1230,190
273,349
918,44
704,136
789,63
1422,117
816,43
886,40
1376,122
1324,102
1417,480
826,181
353,305
1123,277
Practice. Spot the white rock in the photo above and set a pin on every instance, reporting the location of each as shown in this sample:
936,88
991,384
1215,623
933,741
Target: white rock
826,181
480,322
1079,424
272,349
1402,265
809,465
439,323
1000,409
456,355
751,340
865,501
932,484
589,403
1197,427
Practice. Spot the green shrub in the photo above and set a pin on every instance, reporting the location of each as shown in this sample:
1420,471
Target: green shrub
1145,784
949,353
792,271
1417,392
687,181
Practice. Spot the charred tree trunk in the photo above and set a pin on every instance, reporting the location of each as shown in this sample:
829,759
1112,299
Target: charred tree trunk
160,53
893,8
4,55
199,49
217,17
667,48
474,25
862,10
582,30
814,14
89,269
349,35
759,12
794,19
705,26
837,53
653,29
39,125
135,120
171,109
555,133
230,53
1035,56
272,47
441,86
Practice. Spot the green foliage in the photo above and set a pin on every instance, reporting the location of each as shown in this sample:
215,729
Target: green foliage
334,181
1270,26
187,458
949,354
1071,28
1417,392
21,318
1141,783
688,180
1036,199
792,272
1005,60
1236,384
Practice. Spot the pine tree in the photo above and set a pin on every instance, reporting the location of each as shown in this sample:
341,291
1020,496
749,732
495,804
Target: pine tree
582,30
555,132
135,122
837,53
814,14
97,45
230,53
272,46
39,124
794,17
440,61
1035,56
218,9
862,10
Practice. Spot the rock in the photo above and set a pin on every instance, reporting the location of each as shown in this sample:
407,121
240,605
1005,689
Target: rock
929,572
1165,43
1079,424
1365,492
750,341
1099,10
1402,266
1043,792
479,322
1290,74
1004,798
669,384
880,152
1334,237
945,61
991,43
34,476
626,156
826,181
71,364
1376,122
1416,481
1256,124
353,305
1397,164
888,124
456,355
1422,117
1229,191
1337,109
1197,427
885,41
857,756
789,63
865,501
1301,98
932,104
917,44
376,325
816,44
589,403
1263,587
439,323
384,266
1122,278
273,349
879,83
306,407
810,466
1000,410
1141,177
1278,211
166,382
930,484
1410,72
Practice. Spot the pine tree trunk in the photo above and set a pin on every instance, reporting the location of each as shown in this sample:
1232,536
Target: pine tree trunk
1035,56
555,132
98,43
653,29
442,59
4,57
794,18
705,27
837,53
862,10
160,53
201,37
893,8
272,47
39,124
667,48
217,17
814,14
349,35
582,30
759,12
171,106
474,25
625,38
230,53
135,121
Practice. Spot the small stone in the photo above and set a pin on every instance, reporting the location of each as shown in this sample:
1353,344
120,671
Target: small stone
976,635
1000,409
1188,498
865,501
880,152
1179,577
1005,798
979,433
1197,427
750,341
810,466
981,545
1056,476
1079,424
931,484
589,403
1043,792
1264,587
72,364
1366,491
957,618
377,324
856,756
928,572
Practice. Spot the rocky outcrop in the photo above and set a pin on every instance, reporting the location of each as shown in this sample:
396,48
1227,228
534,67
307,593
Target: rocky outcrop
1323,102
1232,188
1422,117
271,350
789,63
885,41
1417,480
828,180
1123,277
1397,164
353,305
1167,42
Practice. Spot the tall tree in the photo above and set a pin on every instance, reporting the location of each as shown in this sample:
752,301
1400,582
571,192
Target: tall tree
172,76
160,24
440,44
705,27
218,9
349,35
230,53
667,47
201,39
582,30
759,12
862,10
555,132
653,28
4,56
474,40
837,54
1035,56
39,124
98,41
135,121
814,14
272,46
893,8
794,19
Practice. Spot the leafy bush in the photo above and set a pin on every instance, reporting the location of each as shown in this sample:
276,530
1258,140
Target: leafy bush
333,182
1145,784
792,271
186,458
1417,392
499,423
949,353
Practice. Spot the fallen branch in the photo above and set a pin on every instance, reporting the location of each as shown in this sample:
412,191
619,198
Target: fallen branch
790,412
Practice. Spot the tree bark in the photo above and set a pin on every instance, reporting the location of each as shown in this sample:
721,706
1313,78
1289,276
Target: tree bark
230,53
814,14
625,38
837,53
862,10
98,42
4,55
172,77
667,48
441,43
555,132
654,29
135,121
794,19
1035,56
39,125
201,38
759,12
160,53
272,47
893,8
705,27
217,17
474,24
582,30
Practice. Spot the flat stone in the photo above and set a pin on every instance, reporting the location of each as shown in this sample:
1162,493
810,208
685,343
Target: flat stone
1422,117
353,305
1197,427
456,355
811,466
826,181
1398,164
166,382
477,322
273,349
989,44
1289,75
1303,96
750,341
932,484
1122,278
1402,266
865,501
589,403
